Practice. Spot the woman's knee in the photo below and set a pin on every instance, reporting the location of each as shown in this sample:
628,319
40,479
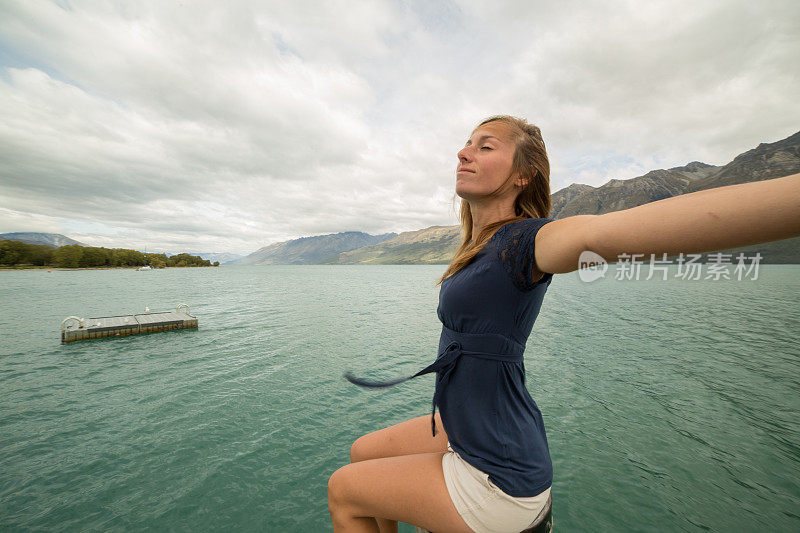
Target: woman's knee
335,487
341,485
362,449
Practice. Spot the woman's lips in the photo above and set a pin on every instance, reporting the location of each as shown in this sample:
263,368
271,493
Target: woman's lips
462,170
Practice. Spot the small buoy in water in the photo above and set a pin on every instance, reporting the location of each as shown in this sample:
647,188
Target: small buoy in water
146,309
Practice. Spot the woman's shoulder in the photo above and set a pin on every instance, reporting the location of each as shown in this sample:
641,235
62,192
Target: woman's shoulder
515,243
521,230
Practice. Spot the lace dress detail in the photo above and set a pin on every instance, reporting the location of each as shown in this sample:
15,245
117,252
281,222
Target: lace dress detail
515,249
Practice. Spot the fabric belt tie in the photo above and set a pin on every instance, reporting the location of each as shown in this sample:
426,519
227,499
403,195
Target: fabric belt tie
452,345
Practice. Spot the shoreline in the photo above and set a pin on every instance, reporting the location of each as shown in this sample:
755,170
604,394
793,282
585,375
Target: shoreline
90,268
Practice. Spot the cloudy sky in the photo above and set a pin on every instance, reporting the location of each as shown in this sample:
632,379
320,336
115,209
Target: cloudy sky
225,126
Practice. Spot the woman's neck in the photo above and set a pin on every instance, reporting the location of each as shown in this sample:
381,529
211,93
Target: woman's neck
486,214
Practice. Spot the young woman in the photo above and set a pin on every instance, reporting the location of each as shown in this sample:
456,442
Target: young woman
483,464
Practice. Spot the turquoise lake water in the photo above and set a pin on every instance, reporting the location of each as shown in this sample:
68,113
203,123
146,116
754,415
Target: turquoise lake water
670,405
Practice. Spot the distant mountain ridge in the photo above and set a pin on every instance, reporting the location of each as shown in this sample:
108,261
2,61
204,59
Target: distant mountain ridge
311,250
432,245
56,240
437,244
224,258
766,161
616,195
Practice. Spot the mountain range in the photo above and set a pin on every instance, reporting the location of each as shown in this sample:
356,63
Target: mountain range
311,250
54,240
223,257
436,244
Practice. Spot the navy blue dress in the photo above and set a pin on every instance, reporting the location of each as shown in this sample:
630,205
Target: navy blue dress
487,310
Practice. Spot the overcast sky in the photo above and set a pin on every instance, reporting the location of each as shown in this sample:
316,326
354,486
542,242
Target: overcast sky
214,126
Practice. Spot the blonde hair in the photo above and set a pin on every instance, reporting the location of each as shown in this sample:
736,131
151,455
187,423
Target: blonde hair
533,201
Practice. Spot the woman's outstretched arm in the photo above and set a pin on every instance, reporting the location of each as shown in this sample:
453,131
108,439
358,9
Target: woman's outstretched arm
703,221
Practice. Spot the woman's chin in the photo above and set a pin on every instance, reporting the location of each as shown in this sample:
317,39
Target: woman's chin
465,194
463,190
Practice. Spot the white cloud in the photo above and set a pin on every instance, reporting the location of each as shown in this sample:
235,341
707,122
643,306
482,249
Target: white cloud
663,82
223,127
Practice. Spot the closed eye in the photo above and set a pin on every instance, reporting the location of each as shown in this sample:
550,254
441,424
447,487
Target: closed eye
486,148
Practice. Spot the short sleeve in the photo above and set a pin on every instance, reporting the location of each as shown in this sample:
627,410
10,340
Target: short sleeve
515,249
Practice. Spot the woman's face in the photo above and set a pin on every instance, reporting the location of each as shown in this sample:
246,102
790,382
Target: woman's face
485,162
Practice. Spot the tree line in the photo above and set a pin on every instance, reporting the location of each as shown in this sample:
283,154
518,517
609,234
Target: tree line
16,253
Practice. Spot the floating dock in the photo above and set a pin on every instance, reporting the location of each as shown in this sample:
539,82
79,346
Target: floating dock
74,328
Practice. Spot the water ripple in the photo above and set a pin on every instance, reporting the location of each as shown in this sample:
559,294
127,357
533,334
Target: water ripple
678,399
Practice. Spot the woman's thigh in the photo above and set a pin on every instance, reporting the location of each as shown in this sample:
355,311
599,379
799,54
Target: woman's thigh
406,488
406,438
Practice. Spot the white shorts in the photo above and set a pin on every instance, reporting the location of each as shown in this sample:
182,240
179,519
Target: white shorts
483,506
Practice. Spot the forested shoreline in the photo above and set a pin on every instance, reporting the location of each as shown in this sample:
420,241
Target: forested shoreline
20,254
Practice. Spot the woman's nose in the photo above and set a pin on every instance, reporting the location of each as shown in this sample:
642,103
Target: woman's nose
464,154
